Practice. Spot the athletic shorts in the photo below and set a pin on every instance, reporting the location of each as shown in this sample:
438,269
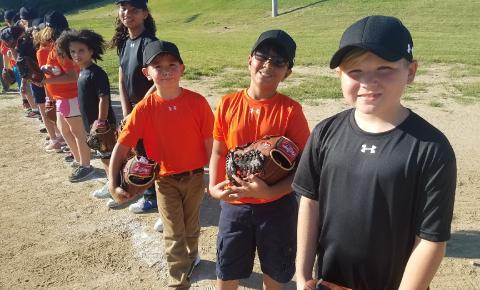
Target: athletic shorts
18,78
68,107
38,94
269,228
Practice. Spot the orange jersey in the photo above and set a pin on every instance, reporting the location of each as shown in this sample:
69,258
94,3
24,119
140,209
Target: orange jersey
3,50
66,90
173,131
42,54
240,119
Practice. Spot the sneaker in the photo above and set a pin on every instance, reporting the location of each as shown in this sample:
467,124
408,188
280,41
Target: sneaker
111,203
32,114
194,265
65,148
53,146
69,158
81,173
158,226
43,130
102,192
143,205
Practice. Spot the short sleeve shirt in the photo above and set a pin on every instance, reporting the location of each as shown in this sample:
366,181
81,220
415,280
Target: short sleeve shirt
241,119
173,131
131,62
93,83
65,90
376,192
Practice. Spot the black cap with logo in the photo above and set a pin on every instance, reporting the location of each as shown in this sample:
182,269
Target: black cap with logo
135,3
385,36
157,47
281,39
56,20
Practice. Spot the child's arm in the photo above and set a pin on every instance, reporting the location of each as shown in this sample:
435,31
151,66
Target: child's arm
119,154
307,233
217,181
422,264
126,107
208,147
103,107
253,186
69,76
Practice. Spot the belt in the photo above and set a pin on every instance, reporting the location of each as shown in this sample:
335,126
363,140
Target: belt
186,173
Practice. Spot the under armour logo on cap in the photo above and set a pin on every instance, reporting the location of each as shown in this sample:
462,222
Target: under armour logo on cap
371,149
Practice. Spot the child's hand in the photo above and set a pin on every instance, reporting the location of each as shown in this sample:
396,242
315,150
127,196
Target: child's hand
220,192
252,186
120,195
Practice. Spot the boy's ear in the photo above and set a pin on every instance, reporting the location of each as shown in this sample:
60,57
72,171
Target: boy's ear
182,68
412,71
145,73
289,72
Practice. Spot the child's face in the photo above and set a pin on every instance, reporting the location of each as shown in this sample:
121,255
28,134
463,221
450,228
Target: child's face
374,85
267,68
80,53
165,70
131,16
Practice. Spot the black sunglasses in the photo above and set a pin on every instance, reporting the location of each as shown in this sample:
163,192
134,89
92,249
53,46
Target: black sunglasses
276,60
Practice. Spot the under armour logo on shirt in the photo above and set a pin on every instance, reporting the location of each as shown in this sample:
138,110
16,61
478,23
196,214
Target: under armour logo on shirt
371,149
254,111
132,44
172,108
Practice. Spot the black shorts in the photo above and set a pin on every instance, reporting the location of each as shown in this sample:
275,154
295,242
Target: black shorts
38,94
270,228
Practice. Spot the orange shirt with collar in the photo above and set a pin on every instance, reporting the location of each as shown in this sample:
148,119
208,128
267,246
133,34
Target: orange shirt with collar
173,131
240,119
66,90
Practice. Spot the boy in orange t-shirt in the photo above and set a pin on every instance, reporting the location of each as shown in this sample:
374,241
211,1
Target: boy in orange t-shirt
176,127
254,215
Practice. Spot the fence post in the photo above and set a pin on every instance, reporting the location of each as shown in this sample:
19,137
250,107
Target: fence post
274,8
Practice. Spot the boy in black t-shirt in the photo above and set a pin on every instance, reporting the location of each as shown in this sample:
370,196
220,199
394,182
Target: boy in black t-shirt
85,47
377,182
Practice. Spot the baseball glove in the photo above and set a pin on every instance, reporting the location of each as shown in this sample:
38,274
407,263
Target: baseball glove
138,174
8,76
29,69
102,137
51,110
271,159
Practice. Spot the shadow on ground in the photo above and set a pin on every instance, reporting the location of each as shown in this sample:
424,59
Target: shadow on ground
464,244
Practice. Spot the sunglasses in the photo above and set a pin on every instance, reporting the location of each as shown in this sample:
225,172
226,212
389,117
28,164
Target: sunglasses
276,60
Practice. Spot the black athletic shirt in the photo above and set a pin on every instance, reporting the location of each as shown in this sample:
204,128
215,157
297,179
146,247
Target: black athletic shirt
131,62
92,83
375,193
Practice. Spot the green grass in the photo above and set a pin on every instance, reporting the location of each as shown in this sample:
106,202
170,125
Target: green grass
216,34
470,92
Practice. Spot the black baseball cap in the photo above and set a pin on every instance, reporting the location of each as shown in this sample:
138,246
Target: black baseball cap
9,15
157,47
27,14
37,22
56,20
6,34
135,3
280,39
385,36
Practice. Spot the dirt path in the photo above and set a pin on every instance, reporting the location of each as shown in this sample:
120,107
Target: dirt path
55,235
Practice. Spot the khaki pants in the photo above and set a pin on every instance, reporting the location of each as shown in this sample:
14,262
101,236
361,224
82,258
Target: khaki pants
179,200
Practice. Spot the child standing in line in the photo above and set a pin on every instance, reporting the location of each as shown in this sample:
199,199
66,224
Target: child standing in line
377,181
176,127
135,28
61,84
256,216
85,47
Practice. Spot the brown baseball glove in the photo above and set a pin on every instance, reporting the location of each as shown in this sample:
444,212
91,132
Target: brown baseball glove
8,76
271,159
29,69
138,174
102,137
51,110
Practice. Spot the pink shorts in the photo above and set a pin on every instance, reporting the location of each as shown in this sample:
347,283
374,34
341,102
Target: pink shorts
68,107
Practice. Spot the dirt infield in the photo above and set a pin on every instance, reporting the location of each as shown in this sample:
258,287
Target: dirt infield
55,235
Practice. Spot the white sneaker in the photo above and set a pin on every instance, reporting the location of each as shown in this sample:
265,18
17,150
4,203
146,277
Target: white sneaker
111,203
102,192
158,225
143,205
